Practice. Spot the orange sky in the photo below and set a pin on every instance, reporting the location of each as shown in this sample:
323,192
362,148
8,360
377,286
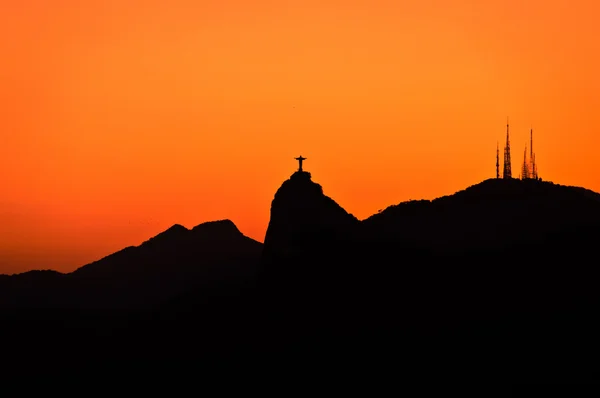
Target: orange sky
121,118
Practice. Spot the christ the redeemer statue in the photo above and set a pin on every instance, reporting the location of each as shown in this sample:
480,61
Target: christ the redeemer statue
300,159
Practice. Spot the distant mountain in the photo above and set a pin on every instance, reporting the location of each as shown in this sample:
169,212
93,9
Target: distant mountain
208,256
302,218
498,280
313,245
35,289
307,230
495,214
485,249
492,215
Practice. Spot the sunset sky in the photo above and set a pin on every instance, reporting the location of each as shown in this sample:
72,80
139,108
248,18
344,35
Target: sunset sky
121,118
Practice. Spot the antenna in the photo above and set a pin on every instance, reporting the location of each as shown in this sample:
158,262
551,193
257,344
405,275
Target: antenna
507,167
531,143
525,170
497,160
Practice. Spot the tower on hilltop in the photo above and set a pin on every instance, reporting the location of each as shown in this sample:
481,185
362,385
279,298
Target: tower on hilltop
525,172
497,160
532,167
507,173
529,166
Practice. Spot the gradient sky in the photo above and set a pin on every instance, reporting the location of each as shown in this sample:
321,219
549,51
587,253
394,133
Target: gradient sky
121,118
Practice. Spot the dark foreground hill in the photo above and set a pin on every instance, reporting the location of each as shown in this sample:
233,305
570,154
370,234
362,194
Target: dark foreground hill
210,256
496,282
492,215
502,275
499,234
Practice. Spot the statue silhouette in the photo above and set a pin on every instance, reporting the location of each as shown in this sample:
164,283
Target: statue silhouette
300,159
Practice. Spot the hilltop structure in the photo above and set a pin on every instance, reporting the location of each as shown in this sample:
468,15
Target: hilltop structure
300,159
529,169
497,161
507,173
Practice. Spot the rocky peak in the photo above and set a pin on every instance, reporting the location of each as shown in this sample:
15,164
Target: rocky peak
302,216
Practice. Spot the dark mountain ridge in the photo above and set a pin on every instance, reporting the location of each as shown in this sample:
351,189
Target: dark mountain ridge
312,240
501,248
502,262
301,215
490,215
300,205
167,265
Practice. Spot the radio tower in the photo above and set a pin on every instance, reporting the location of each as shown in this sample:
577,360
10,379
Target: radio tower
497,160
525,170
507,174
532,167
531,146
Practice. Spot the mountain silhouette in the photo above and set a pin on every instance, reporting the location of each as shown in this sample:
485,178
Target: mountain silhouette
165,266
532,238
305,225
500,253
494,214
508,265
302,217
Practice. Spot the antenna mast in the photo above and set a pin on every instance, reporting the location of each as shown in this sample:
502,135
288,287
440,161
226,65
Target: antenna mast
533,166
497,160
507,167
525,171
531,144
